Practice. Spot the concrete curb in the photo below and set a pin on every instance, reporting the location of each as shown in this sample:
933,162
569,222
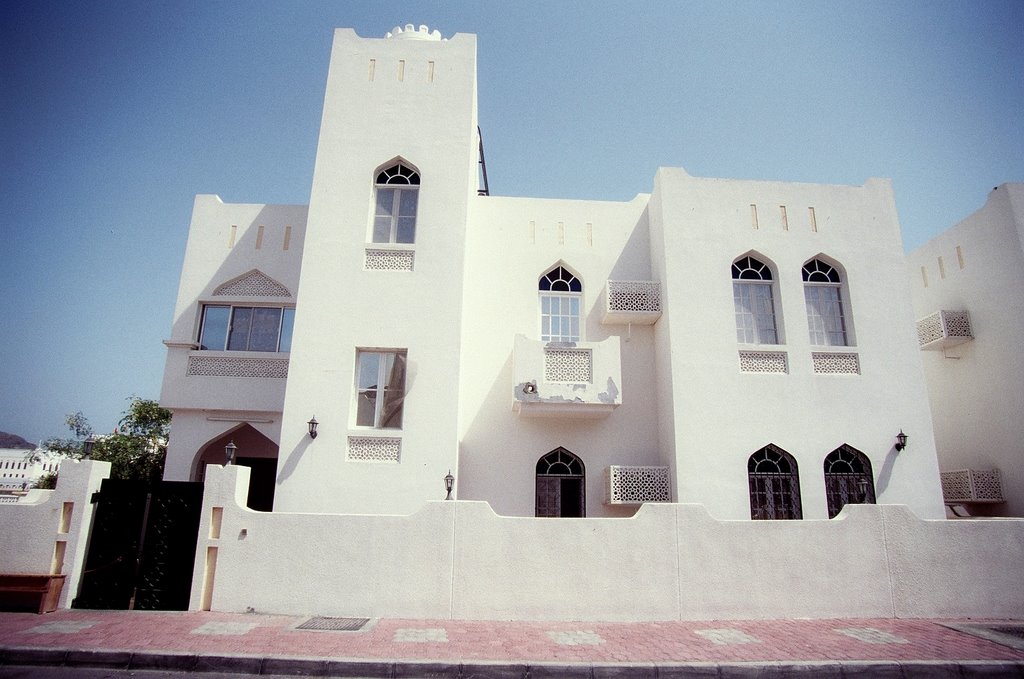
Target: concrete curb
411,669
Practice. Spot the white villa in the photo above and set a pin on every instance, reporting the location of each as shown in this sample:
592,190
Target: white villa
745,345
968,292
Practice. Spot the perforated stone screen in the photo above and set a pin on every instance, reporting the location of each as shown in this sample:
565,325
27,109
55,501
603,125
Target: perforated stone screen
389,260
763,362
232,366
374,448
253,284
643,296
636,484
949,327
972,485
568,365
835,363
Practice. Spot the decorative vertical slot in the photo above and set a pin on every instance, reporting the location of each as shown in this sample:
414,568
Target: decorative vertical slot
65,517
59,547
942,268
814,220
259,237
216,516
590,234
430,71
924,276
287,237
231,237
533,231
785,219
561,233
209,573
960,257
372,68
753,215
401,70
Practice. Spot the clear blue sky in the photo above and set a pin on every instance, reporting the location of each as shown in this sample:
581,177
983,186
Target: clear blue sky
115,114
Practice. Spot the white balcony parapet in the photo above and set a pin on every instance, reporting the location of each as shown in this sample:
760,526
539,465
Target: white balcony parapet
972,485
944,329
566,379
636,484
636,302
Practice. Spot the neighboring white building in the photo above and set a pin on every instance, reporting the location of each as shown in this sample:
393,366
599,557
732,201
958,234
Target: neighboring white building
19,472
746,345
968,291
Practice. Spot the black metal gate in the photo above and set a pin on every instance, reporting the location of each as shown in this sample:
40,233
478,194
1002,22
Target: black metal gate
142,547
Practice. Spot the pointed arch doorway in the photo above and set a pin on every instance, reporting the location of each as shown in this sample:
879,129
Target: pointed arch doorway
255,451
561,485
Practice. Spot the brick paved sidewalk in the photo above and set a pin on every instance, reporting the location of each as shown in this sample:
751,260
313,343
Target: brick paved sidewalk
254,638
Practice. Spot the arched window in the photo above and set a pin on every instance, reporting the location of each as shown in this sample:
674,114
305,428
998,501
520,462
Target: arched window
774,484
561,298
754,303
397,191
848,479
561,485
823,294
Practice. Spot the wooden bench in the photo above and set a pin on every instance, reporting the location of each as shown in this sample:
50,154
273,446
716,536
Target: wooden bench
30,592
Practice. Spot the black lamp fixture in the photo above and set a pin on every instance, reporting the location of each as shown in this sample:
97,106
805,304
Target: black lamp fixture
863,485
87,446
901,441
449,483
312,427
229,452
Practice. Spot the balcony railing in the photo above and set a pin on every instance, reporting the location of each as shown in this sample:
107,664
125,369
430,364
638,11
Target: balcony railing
944,329
566,379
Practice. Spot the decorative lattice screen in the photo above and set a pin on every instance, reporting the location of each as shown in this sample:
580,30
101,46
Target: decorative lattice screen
763,362
374,448
636,484
644,296
237,366
568,365
951,327
835,363
253,284
389,260
972,485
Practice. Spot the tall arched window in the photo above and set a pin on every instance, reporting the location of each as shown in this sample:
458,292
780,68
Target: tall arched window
823,294
848,479
774,484
561,485
754,303
561,299
397,192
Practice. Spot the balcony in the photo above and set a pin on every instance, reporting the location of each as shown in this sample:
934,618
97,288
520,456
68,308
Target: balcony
631,302
566,379
944,329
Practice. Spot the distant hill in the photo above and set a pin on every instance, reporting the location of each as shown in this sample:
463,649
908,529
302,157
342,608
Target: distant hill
14,441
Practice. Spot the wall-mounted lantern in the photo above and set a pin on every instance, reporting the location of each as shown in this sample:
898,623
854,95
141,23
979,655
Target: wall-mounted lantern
312,427
901,441
449,483
87,446
229,452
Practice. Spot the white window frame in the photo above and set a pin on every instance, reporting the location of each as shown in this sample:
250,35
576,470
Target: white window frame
825,329
201,325
404,182
380,388
560,282
748,294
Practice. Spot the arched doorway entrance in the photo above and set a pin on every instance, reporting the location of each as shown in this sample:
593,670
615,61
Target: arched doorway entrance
253,450
561,485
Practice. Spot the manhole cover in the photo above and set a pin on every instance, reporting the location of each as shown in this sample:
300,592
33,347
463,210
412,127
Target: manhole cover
334,624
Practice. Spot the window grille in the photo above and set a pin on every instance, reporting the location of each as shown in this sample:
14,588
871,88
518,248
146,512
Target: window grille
774,484
374,449
230,366
568,365
252,284
944,329
636,484
848,479
831,363
972,485
763,362
389,260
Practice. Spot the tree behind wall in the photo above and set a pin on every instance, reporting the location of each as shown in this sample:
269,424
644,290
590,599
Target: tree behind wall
135,450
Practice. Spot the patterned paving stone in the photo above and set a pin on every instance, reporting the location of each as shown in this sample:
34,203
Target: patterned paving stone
419,635
727,636
576,638
62,627
872,635
218,627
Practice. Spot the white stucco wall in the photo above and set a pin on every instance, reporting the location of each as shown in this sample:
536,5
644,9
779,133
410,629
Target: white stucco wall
975,388
386,99
48,530
717,416
668,562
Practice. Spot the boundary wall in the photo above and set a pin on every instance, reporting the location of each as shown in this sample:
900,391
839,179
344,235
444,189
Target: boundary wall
46,532
460,560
